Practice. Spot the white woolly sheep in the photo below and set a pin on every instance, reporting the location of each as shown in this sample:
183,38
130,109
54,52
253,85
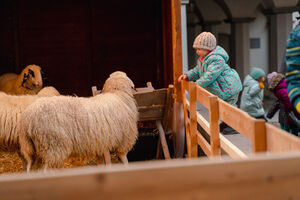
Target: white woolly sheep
28,82
118,73
55,128
11,107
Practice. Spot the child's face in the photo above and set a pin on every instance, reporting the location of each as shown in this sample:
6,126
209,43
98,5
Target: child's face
261,79
202,52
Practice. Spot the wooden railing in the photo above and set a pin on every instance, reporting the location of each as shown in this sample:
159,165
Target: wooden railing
260,177
263,136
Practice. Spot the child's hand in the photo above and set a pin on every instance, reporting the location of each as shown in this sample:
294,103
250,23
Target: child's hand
183,77
261,86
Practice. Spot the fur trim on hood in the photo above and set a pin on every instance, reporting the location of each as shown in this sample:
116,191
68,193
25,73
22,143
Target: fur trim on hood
275,81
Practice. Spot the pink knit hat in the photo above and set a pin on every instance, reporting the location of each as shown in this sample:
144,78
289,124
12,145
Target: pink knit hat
205,40
271,76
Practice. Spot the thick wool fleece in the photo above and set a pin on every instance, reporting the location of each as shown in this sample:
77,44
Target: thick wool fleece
214,74
55,128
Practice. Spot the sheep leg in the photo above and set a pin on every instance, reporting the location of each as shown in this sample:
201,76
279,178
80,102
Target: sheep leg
45,167
107,158
24,161
123,158
28,161
36,164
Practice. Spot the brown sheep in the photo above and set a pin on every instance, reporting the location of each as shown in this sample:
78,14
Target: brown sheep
28,82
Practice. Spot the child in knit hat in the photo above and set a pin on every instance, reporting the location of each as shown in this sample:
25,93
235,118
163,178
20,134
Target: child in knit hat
288,116
252,95
212,71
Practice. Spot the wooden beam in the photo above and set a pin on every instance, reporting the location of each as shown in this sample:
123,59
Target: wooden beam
163,140
259,143
177,45
214,130
236,118
281,141
203,96
203,122
261,177
204,144
193,119
231,149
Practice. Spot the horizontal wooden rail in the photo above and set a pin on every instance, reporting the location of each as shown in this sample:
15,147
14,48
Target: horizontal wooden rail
231,149
203,122
203,144
203,96
262,177
237,119
280,141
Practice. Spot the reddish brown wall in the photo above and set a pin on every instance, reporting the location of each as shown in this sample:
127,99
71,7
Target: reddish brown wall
79,43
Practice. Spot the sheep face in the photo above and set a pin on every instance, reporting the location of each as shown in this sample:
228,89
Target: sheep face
119,83
32,78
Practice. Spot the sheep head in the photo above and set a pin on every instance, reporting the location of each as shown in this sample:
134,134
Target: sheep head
119,82
118,73
32,77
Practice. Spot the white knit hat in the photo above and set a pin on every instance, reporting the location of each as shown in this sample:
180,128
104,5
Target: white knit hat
205,40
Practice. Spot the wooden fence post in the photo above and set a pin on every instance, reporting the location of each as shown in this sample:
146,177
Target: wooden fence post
259,143
214,126
186,121
193,119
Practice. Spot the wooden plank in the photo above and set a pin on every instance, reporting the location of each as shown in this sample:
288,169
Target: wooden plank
231,149
151,112
193,120
187,104
144,90
169,108
203,122
259,143
214,130
237,119
203,144
177,46
95,91
185,86
203,96
261,178
279,140
163,140
149,98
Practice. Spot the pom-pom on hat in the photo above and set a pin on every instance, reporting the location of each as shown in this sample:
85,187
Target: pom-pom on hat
271,76
205,40
256,72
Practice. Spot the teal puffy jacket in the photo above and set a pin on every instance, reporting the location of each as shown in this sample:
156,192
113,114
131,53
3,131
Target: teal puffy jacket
252,97
215,75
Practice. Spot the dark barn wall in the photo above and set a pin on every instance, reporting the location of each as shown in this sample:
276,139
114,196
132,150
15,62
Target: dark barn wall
79,43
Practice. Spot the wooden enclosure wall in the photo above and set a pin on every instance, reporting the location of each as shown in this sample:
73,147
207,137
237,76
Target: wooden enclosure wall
79,43
264,177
